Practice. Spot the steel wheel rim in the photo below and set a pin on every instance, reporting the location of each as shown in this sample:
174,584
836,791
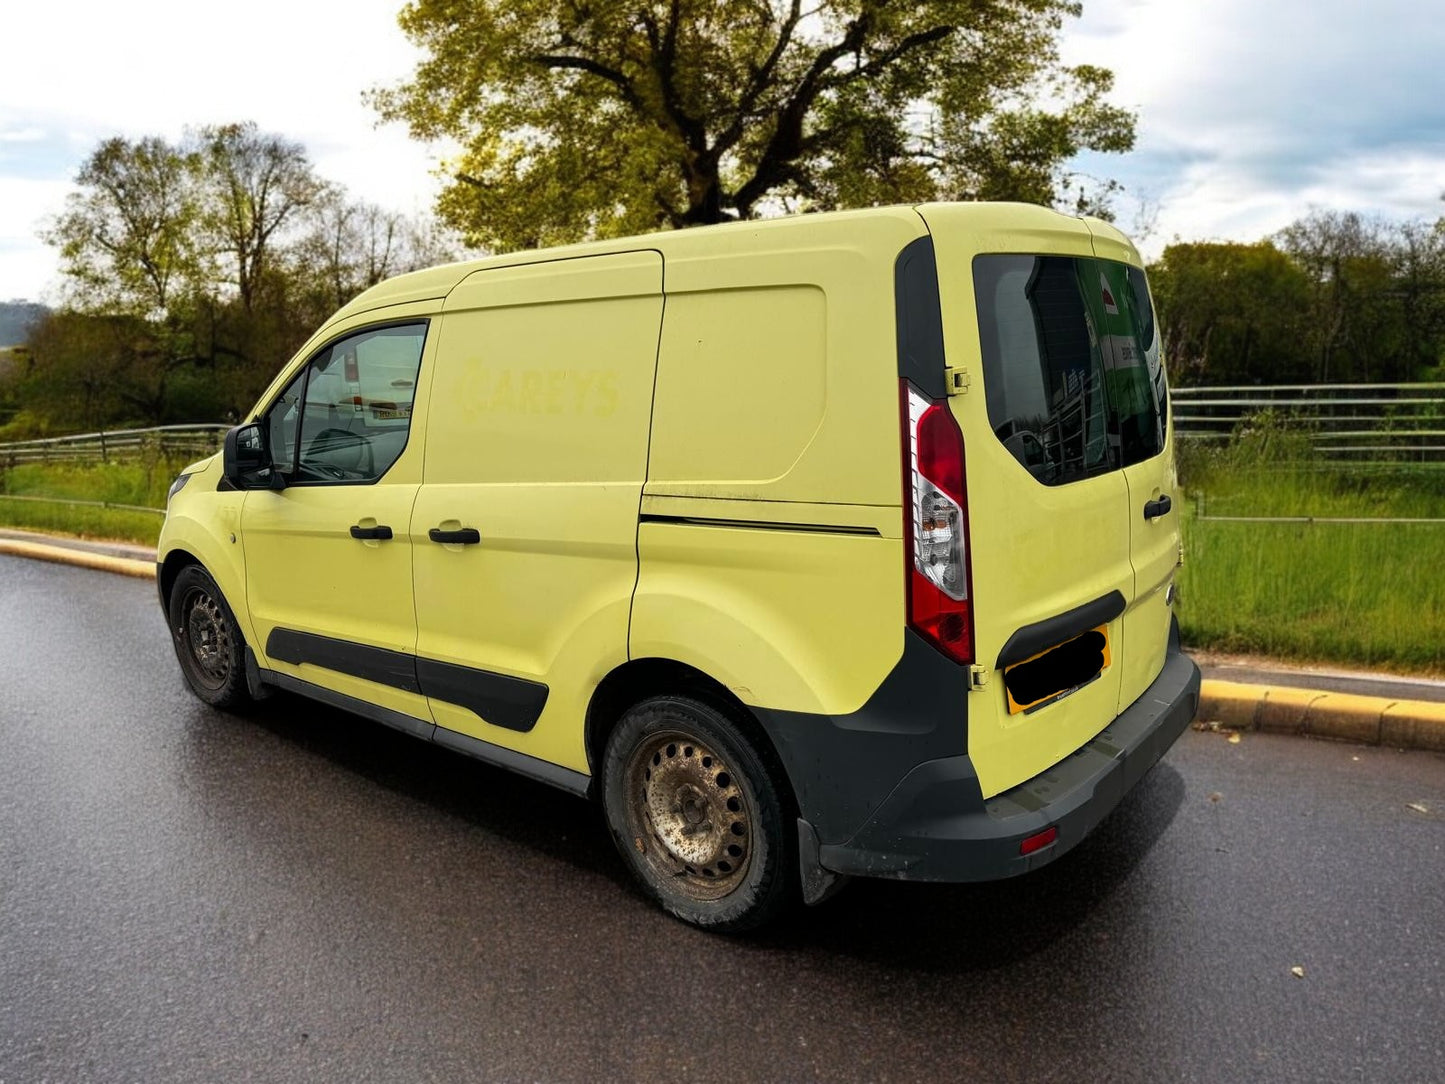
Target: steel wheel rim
691,819
206,636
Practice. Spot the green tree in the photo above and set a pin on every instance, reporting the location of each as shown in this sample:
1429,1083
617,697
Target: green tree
194,269
257,184
1232,313
579,118
1333,297
1376,297
128,238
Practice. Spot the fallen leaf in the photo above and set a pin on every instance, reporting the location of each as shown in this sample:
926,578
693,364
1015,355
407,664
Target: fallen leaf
1234,738
1216,796
1297,971
1418,807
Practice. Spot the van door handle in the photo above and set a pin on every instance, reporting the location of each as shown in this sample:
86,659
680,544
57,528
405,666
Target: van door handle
382,531
467,536
1155,509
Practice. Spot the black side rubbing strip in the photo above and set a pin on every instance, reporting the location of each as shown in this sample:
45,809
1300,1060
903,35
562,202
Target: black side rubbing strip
1042,635
758,525
511,702
1067,666
394,668
920,318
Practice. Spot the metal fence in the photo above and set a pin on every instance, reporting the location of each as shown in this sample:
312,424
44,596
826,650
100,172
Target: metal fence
163,441
1391,423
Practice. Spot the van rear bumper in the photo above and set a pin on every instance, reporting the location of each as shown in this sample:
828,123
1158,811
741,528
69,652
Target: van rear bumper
936,826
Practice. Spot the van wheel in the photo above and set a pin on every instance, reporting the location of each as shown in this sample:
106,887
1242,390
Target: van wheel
698,815
208,642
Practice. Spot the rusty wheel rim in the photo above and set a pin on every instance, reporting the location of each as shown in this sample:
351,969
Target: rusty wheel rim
207,638
691,819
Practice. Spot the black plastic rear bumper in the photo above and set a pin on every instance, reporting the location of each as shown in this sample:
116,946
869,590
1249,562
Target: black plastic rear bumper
936,826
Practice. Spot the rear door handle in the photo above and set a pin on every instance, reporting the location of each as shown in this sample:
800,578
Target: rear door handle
467,536
381,531
1155,509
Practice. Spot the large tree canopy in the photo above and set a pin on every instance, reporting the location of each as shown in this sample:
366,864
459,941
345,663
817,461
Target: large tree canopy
1333,297
580,118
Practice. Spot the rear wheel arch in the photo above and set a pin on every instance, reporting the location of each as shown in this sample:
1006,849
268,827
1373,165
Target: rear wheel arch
641,679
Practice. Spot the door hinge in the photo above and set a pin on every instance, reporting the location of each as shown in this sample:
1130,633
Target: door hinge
955,380
977,677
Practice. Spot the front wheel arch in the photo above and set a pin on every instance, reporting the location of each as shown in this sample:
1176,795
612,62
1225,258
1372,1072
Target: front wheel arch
210,646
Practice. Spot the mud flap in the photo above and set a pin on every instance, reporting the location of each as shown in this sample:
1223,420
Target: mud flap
258,689
818,883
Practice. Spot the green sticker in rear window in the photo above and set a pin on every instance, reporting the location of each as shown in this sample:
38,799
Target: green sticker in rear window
1068,378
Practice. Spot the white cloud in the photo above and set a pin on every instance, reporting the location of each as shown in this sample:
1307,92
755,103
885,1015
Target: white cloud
156,67
1253,113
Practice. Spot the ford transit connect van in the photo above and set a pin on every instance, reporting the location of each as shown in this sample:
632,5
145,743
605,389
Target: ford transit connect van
828,546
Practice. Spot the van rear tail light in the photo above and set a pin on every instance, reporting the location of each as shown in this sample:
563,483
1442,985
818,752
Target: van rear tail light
936,527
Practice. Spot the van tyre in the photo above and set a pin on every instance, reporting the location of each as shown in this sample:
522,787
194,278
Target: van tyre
208,642
697,813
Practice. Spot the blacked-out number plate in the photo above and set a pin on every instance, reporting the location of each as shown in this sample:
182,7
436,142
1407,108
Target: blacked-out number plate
1057,671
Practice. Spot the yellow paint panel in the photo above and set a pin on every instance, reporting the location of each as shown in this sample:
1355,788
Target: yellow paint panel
778,375
794,620
538,438
203,521
742,384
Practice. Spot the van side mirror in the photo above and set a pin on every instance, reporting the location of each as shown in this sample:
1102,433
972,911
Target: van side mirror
246,459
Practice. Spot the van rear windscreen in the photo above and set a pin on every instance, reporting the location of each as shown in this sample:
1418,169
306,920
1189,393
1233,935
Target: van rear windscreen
1071,366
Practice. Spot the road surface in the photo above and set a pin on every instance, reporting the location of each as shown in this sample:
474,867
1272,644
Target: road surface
302,895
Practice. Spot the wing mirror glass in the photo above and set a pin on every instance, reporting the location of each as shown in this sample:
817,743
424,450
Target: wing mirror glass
246,459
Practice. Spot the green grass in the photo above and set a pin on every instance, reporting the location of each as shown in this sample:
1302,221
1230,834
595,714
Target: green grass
108,524
137,483
1366,595
1358,595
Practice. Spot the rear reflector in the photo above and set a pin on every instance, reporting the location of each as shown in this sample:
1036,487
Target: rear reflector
1039,840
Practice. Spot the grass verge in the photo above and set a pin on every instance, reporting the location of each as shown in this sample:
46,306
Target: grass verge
1363,595
1358,595
137,483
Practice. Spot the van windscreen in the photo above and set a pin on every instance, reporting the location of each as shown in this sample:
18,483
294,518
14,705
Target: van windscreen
1071,376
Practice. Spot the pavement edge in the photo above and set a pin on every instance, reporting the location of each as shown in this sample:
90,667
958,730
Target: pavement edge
66,555
1370,720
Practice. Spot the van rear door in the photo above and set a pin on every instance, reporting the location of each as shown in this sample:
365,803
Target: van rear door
1048,508
1140,394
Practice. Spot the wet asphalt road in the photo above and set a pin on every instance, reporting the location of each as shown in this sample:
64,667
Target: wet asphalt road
301,895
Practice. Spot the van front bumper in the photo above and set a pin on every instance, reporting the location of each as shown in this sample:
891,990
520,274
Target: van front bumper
936,826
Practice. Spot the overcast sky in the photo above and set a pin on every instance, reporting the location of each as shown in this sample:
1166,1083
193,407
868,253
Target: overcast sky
1251,111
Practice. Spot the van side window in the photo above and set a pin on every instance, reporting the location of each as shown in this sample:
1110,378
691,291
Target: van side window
281,422
1149,338
1137,426
1067,376
347,415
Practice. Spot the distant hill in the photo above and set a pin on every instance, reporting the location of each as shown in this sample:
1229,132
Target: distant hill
16,320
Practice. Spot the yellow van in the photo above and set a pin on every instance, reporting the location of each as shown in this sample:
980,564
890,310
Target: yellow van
827,546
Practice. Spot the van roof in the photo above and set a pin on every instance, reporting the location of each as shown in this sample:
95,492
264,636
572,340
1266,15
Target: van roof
762,234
